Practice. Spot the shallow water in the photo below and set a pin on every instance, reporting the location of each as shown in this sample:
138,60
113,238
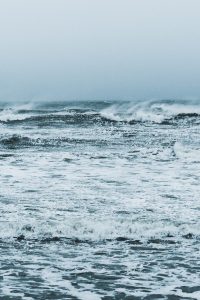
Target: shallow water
100,200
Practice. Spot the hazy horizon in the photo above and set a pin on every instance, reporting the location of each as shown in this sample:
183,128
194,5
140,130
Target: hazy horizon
103,50
99,149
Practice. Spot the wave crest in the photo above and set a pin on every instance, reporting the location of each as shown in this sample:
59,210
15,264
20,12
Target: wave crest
156,112
161,112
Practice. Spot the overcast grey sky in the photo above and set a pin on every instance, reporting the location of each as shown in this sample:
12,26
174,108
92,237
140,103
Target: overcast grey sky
99,49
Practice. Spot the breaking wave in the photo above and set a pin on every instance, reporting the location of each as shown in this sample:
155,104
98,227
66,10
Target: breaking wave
161,112
102,193
154,111
18,141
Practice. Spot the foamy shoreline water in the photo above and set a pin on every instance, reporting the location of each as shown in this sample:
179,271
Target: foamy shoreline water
100,200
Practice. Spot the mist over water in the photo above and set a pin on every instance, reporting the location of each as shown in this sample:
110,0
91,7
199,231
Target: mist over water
99,50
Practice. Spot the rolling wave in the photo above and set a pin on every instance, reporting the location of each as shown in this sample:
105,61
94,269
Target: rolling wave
160,112
155,112
18,141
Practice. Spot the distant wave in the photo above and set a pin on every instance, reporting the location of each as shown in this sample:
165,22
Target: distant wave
160,112
152,111
18,141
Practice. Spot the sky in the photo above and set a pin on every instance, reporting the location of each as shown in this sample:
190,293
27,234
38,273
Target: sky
99,49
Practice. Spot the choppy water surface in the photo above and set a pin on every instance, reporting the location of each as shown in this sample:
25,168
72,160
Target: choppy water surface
100,200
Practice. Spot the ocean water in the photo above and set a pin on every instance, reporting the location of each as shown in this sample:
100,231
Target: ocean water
100,200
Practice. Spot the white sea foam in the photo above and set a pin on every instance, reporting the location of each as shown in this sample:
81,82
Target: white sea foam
187,152
9,114
148,111
93,211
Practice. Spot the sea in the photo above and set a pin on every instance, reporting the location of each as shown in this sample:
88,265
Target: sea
100,200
